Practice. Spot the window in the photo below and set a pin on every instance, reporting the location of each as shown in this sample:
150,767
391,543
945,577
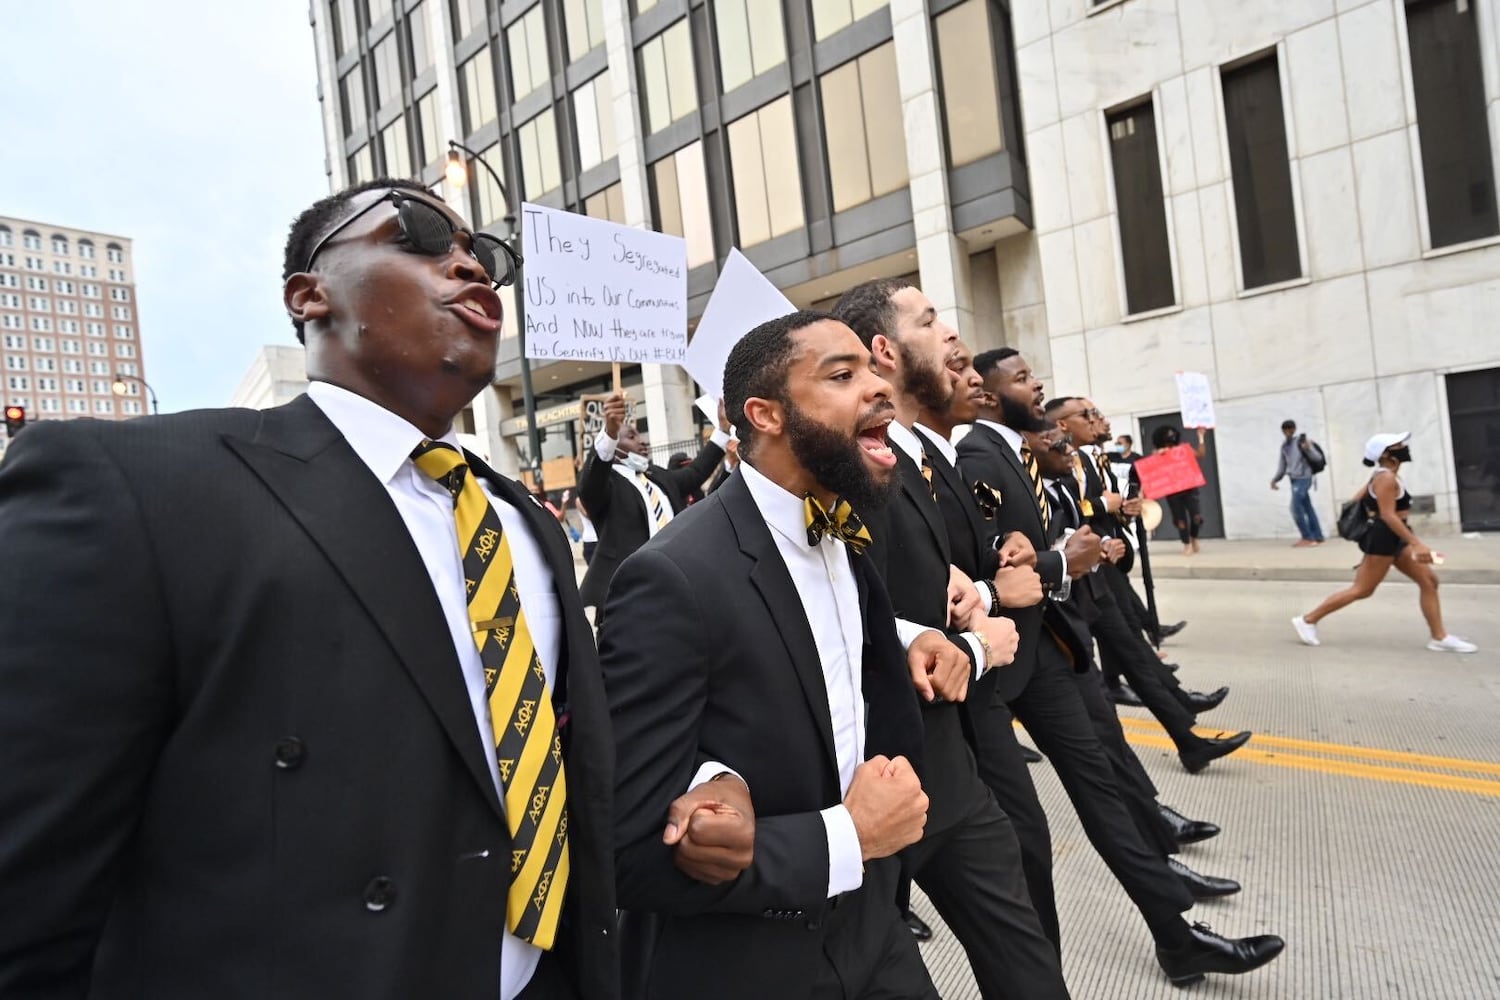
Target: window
21,383
11,300
492,204
88,270
1262,173
1142,213
60,244
540,170
115,254
46,364
73,366
361,168
607,204
526,40
352,100
585,25
5,237
130,406
418,42
476,84
395,149
95,329
117,294
467,16
99,385
767,185
32,239
34,284
681,190
128,369
98,367
68,288
10,281
62,267
124,350
35,264
387,71
834,15
345,29
15,342
971,93
15,362
86,249
751,40
1452,126
42,344
116,274
73,385
667,75
595,117
427,129
50,405
641,6
120,312
93,309
11,322
46,384
866,141
104,406
123,332
38,304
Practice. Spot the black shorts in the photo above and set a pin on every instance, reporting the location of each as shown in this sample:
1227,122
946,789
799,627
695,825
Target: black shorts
1380,540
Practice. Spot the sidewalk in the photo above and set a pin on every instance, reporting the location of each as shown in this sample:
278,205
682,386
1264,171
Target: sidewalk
1466,560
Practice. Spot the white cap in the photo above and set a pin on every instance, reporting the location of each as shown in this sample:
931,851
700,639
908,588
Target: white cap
1376,446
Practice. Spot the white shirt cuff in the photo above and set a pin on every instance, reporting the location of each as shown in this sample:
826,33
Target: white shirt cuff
846,866
907,632
984,596
720,438
604,447
711,770
981,662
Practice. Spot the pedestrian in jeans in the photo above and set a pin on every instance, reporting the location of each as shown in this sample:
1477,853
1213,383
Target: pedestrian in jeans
1300,460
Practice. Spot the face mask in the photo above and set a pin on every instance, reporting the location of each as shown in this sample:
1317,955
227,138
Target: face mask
1401,454
1115,448
637,463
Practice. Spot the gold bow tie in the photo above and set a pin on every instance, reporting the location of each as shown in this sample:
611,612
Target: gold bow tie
841,523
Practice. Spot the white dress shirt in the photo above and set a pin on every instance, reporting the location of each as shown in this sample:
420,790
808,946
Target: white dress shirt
830,597
605,446
384,442
932,439
906,439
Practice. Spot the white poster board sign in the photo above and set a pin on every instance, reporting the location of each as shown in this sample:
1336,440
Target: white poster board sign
742,299
598,291
1195,399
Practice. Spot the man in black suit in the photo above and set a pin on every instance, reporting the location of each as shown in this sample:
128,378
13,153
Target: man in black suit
630,499
800,689
252,755
968,862
1047,699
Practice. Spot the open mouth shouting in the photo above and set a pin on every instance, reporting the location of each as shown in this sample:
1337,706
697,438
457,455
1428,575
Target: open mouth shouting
478,306
874,443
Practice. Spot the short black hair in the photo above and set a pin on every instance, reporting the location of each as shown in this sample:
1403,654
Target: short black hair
987,361
867,309
1289,425
1126,438
1057,403
315,220
1163,435
757,367
678,458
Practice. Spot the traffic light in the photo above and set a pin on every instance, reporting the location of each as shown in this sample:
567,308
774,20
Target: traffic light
15,419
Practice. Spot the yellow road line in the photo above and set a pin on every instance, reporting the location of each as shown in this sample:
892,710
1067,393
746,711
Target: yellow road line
1337,749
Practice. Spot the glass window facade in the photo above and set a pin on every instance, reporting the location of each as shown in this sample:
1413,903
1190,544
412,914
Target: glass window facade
607,204
468,15
585,26
541,170
345,28
361,166
491,201
526,40
667,77
387,71
476,81
352,100
1147,255
971,94
418,41
680,186
767,186
866,139
830,16
395,148
751,39
429,145
595,119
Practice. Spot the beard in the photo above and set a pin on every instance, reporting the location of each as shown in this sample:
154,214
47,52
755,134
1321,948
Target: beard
1019,416
927,384
835,460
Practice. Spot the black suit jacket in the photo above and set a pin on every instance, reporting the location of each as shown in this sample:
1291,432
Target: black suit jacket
750,694
1105,524
241,758
619,512
986,458
971,535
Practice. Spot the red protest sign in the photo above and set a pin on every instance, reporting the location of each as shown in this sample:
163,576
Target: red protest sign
1173,470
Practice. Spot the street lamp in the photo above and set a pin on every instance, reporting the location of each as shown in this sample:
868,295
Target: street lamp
456,170
121,389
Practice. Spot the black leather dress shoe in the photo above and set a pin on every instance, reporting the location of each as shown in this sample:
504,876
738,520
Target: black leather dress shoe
1123,695
1170,666
1202,886
917,926
1204,751
1196,701
1167,631
1187,831
1210,952
1029,755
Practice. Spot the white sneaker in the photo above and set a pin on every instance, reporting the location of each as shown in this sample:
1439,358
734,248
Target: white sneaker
1451,644
1307,633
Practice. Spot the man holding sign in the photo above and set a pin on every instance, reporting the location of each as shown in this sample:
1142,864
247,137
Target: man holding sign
628,498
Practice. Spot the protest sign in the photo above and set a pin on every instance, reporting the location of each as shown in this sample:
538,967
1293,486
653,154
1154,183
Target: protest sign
742,299
597,291
1195,399
1171,470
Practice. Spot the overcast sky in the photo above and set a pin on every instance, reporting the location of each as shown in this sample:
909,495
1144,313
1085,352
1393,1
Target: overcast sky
192,128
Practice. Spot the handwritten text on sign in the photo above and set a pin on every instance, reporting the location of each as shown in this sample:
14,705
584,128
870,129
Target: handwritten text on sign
597,291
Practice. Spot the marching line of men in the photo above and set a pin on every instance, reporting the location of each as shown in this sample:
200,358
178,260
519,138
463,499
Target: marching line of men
334,722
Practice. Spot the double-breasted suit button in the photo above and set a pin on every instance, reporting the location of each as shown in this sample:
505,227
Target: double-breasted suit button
290,752
379,894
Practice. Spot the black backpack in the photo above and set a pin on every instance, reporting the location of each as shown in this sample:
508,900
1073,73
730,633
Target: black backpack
1316,460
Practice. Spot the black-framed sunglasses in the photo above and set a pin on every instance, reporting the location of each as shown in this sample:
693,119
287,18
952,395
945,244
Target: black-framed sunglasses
429,232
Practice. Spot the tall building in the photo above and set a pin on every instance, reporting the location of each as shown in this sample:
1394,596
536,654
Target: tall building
68,322
1297,199
815,137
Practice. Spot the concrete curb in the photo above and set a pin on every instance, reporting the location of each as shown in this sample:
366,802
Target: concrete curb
1314,574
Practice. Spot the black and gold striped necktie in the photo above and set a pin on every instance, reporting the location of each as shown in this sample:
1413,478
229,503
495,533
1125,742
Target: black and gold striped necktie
927,474
1040,491
528,746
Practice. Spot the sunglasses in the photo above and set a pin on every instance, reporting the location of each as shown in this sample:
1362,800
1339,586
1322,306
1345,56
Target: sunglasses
431,233
1086,414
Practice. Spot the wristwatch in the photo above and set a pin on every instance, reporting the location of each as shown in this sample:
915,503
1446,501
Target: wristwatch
984,644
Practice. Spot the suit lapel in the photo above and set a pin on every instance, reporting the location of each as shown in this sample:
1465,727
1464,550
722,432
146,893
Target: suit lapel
1013,462
774,584
350,517
915,487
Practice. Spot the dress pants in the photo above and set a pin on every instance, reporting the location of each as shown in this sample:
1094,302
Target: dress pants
1127,650
869,954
